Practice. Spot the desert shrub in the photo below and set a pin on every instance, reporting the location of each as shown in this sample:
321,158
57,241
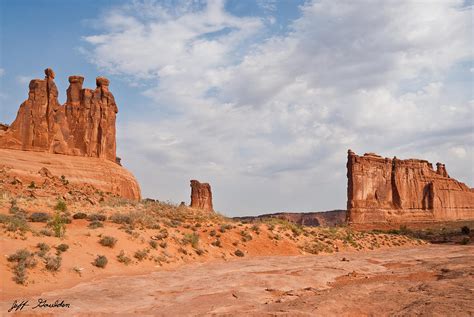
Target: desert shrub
39,217
43,249
53,263
256,229
121,218
24,260
58,225
465,240
163,244
108,241
19,274
95,224
465,230
140,255
96,217
79,215
162,235
100,261
61,205
191,238
64,180
122,258
62,247
153,244
245,236
32,185
199,251
14,223
224,227
239,253
217,243
212,233
23,255
46,232
183,251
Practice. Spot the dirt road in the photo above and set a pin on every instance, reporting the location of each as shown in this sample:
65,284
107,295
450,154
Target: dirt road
431,280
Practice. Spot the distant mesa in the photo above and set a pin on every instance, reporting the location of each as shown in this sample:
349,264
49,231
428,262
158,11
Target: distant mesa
84,127
201,196
383,190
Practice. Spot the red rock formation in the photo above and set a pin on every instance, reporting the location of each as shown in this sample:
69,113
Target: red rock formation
201,196
84,126
383,190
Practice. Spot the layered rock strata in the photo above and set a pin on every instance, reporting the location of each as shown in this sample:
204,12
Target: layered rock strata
201,196
384,190
83,126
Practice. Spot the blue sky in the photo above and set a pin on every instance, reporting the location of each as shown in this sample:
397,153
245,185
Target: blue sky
260,98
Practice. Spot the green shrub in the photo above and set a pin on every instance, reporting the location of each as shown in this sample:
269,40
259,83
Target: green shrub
79,215
100,261
61,205
122,258
40,217
239,253
53,263
96,217
224,227
95,224
62,247
191,238
108,241
57,224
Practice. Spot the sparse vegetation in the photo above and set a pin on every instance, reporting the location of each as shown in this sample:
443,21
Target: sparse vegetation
122,258
100,261
239,253
95,224
153,244
465,230
43,249
140,255
53,263
62,248
58,225
24,260
40,217
191,238
79,215
61,205
108,241
96,217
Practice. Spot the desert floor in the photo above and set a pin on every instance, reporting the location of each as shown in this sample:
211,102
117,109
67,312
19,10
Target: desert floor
428,280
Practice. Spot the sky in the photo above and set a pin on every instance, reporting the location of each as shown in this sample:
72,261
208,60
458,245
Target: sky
262,99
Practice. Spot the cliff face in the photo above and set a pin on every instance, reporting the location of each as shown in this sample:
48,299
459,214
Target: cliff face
312,219
83,130
84,126
201,196
383,190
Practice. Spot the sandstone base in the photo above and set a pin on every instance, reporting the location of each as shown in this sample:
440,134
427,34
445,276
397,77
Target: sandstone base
99,173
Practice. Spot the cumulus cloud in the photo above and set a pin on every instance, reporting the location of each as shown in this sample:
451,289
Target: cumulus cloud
267,119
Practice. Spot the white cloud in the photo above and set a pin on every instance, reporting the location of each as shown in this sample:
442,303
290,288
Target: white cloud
268,122
2,72
21,79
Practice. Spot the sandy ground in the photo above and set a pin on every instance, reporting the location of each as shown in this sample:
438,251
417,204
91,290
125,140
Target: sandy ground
435,280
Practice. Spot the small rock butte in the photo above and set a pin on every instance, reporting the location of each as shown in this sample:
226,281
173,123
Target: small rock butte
201,196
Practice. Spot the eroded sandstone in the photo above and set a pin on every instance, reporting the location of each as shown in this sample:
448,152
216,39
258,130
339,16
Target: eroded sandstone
201,196
384,190
83,126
